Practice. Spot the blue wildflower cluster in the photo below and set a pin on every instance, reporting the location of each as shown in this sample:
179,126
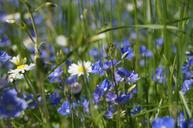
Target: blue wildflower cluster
96,64
11,106
187,70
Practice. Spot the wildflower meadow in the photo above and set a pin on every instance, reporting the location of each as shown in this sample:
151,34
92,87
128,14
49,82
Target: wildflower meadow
96,63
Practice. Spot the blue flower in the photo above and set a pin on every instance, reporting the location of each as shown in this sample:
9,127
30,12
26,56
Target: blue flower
123,72
55,97
159,42
111,97
123,98
85,105
109,64
98,93
4,57
65,109
96,53
164,122
4,41
190,123
186,85
118,78
127,52
47,53
109,113
55,76
187,69
32,103
145,52
130,77
37,19
97,68
181,121
10,105
71,80
135,110
124,44
100,90
105,85
159,76
3,83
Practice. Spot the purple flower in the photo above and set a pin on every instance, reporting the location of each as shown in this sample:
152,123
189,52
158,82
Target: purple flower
111,97
190,123
47,53
96,53
109,64
186,85
159,76
145,52
135,110
118,78
110,112
3,83
85,105
10,104
127,52
98,93
130,77
55,97
123,98
100,90
97,68
32,103
4,41
65,109
159,42
123,72
71,80
55,76
4,57
187,69
181,121
164,122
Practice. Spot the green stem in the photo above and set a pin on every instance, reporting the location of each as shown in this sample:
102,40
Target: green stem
185,104
39,73
2,124
29,83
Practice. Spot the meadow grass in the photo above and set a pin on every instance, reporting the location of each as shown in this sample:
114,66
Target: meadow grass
143,47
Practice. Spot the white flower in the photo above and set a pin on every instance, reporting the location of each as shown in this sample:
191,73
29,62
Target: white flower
28,43
131,6
62,40
11,18
17,60
21,68
18,72
14,76
80,68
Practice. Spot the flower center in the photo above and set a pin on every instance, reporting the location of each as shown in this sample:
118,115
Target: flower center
81,69
21,66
